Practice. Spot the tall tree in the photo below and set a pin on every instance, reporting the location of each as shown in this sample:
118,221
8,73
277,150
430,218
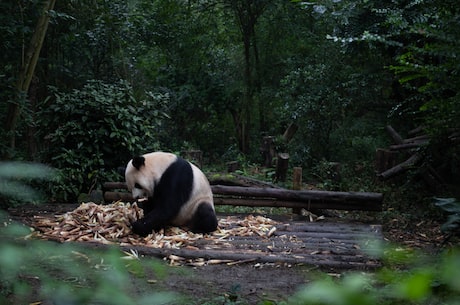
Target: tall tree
29,62
247,12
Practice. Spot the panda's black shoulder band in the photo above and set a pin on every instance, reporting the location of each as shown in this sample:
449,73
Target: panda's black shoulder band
138,161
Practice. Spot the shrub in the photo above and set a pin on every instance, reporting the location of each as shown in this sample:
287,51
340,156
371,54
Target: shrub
89,132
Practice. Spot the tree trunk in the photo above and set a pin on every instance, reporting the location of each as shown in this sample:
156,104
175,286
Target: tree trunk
247,12
29,62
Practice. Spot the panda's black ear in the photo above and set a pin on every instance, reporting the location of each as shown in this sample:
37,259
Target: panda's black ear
138,161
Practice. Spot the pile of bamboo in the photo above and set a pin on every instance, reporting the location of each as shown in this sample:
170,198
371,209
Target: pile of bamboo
110,224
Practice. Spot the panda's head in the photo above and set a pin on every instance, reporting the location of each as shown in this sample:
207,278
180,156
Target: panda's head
139,178
143,172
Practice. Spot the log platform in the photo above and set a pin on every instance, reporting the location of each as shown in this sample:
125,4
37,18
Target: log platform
325,244
328,245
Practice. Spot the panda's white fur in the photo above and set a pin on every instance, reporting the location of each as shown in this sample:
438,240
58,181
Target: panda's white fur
178,193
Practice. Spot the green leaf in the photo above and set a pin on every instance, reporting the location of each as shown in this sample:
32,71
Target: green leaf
416,287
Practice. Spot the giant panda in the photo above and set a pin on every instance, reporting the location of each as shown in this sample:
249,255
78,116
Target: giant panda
177,192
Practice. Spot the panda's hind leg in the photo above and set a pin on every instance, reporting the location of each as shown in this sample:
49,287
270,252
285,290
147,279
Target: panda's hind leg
204,220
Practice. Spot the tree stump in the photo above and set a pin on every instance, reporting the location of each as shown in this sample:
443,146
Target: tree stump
282,167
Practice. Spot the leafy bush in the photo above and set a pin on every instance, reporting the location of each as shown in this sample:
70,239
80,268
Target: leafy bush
426,282
90,132
14,177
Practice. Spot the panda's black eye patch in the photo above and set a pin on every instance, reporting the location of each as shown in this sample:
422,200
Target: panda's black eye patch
138,186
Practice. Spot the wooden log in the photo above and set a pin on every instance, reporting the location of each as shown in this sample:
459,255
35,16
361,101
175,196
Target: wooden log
306,196
409,145
416,139
271,197
415,131
336,261
372,205
282,167
402,167
396,137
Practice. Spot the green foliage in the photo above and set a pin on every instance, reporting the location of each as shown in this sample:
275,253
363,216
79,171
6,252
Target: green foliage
316,107
328,106
91,131
423,283
14,177
70,274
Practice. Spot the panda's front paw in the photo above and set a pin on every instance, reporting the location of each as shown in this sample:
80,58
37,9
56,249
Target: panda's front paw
139,227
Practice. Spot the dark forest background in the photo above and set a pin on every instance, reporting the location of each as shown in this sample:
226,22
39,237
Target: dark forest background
85,85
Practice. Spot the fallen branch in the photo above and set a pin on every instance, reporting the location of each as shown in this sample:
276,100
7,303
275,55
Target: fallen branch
402,167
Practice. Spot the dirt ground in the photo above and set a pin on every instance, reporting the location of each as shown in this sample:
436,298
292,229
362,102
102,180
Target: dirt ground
253,283
243,283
